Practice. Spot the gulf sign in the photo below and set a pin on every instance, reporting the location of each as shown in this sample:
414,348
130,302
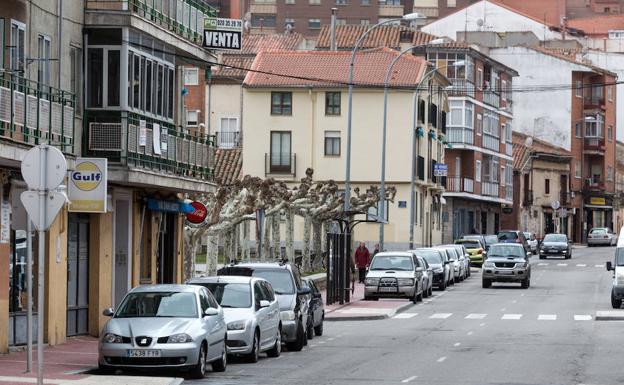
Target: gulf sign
88,186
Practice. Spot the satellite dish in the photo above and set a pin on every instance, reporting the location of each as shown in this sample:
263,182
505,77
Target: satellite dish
528,142
247,16
247,25
480,22
289,27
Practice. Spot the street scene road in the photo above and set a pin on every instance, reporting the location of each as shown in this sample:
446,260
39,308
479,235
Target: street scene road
546,334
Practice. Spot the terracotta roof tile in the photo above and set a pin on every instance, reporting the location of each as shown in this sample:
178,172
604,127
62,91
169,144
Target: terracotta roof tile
384,36
228,165
333,68
549,10
253,44
233,66
520,151
598,25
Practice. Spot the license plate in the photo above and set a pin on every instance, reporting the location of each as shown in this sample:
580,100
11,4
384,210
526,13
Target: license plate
388,289
143,353
505,272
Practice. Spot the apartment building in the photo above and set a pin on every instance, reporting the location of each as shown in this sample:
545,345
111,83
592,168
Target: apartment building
295,123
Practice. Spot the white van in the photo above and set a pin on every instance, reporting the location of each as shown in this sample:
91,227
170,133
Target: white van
617,266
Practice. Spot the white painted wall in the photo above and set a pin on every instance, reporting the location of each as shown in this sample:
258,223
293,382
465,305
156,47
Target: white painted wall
496,19
545,114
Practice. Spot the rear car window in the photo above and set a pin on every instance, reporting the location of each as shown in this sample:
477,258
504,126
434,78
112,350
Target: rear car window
598,231
507,235
471,244
280,279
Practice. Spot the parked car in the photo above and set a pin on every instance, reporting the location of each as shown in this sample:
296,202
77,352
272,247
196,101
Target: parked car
507,262
532,241
514,236
475,249
316,309
555,245
458,266
601,236
489,241
428,273
477,237
617,266
291,295
394,275
173,326
437,260
251,312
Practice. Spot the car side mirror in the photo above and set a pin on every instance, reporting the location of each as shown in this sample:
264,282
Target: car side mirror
211,311
420,269
304,291
264,303
109,312
317,295
609,266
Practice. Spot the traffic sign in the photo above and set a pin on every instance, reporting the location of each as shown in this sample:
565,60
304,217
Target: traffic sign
55,168
54,202
440,169
199,215
555,205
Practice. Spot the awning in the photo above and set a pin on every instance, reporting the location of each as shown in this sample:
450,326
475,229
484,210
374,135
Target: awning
169,206
598,207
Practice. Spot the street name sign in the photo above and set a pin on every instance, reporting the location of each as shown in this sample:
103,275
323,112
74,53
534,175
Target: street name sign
222,33
440,169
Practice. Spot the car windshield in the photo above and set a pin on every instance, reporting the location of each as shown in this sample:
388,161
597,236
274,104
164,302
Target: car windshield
392,262
158,304
431,256
506,251
619,256
555,238
507,236
470,244
491,239
280,279
236,295
598,231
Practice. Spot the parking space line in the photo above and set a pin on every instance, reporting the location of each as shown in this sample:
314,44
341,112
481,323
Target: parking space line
469,333
408,379
405,315
543,264
511,316
547,317
457,344
441,315
582,317
600,266
475,316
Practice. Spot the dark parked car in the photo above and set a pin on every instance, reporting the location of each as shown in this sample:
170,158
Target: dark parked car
555,245
514,236
316,309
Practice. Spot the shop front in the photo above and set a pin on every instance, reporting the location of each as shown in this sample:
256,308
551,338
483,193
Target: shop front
598,212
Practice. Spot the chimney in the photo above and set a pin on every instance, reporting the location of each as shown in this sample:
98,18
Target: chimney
332,38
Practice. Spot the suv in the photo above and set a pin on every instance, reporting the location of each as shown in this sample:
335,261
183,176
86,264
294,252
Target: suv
507,262
514,236
394,275
290,293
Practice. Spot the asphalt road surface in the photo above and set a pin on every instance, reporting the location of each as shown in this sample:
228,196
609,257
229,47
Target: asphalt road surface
468,335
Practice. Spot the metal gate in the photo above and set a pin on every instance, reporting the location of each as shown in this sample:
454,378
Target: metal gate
339,266
78,275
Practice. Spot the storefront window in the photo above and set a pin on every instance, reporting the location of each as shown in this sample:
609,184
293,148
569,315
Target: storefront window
18,299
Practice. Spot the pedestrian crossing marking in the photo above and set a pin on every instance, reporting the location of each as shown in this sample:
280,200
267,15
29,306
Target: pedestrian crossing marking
547,317
511,316
405,315
562,264
543,264
581,265
475,316
441,315
582,317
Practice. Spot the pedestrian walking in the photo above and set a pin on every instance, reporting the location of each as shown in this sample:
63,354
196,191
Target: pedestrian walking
362,260
375,251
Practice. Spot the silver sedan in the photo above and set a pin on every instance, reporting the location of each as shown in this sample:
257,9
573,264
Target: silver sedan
174,326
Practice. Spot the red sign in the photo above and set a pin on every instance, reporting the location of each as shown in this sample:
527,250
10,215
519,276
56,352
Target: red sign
199,215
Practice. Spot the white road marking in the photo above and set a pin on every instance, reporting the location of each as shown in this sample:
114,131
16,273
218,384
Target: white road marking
481,324
442,359
562,264
322,342
522,295
581,265
405,315
441,315
469,333
511,316
582,317
514,301
600,266
475,316
543,264
408,379
457,344
331,339
503,309
547,317
311,345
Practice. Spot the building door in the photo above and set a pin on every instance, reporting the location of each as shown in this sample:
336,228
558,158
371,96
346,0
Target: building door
77,274
549,225
122,247
165,268
484,222
471,222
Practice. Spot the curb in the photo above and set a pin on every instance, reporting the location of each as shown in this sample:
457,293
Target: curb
609,315
375,317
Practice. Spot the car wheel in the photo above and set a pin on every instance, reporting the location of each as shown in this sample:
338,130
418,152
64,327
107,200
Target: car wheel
425,293
310,329
615,302
525,283
276,350
369,298
419,297
486,283
430,291
221,364
199,369
255,349
297,344
442,286
318,329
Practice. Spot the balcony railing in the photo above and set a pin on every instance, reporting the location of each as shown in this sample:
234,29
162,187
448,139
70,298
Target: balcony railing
32,113
161,148
459,184
462,87
492,98
594,144
460,135
280,164
182,17
491,142
489,188
391,10
594,184
590,103
229,139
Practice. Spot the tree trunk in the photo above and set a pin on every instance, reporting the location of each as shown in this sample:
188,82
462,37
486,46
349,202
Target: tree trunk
236,241
277,247
324,231
245,242
266,242
227,247
316,242
212,253
290,235
306,262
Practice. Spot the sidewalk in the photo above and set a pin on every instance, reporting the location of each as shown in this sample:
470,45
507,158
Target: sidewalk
68,364
360,310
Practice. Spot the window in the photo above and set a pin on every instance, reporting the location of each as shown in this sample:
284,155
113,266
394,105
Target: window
16,50
390,2
280,151
546,186
480,78
502,176
479,125
170,93
332,103
332,143
579,89
289,22
341,2
160,87
341,21
610,93
364,2
289,1
191,76
281,103
191,118
314,23
478,171
314,2
451,3
228,132
95,76
148,79
75,58
260,21
374,213
504,89
43,64
610,133
610,173
577,169
578,128
2,42
364,22
113,76
594,126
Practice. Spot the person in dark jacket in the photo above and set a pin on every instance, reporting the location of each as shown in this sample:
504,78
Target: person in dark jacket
375,251
362,260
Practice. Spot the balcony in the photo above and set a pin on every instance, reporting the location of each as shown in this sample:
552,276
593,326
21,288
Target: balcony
430,12
390,10
462,87
460,135
459,184
492,98
490,189
32,113
263,7
229,139
594,184
527,200
594,145
280,164
593,103
491,142
164,151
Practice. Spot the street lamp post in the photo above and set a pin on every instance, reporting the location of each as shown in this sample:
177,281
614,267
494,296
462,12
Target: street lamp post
408,17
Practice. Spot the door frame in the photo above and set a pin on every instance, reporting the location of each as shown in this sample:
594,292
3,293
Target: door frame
122,194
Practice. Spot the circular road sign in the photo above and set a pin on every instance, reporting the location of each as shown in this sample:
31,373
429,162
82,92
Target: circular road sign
555,205
199,215
54,171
